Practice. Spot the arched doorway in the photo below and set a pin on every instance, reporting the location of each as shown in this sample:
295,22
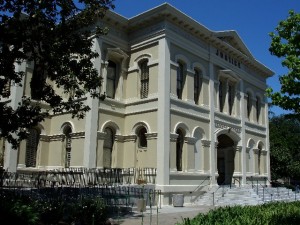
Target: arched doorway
225,159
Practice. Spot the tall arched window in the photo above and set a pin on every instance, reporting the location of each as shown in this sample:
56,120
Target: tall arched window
258,109
108,147
68,145
144,79
249,105
31,147
111,79
180,77
142,139
197,86
179,145
221,103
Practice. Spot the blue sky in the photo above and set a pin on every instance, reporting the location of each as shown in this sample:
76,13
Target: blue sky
252,19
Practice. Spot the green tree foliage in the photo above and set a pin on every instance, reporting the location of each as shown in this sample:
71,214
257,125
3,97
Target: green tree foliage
286,45
55,37
284,147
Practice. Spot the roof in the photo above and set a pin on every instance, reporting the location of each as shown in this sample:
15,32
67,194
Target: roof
228,40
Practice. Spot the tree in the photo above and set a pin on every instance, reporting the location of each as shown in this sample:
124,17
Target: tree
56,37
284,147
285,44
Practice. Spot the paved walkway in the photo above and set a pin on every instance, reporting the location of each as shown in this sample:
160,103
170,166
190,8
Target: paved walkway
167,215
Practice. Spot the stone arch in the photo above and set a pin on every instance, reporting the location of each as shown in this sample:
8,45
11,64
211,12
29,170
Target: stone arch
68,123
227,140
139,124
199,66
183,127
112,125
183,59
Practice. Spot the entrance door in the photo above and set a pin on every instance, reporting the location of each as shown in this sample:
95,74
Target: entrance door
225,159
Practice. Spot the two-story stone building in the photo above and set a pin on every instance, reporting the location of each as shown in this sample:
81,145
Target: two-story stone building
180,98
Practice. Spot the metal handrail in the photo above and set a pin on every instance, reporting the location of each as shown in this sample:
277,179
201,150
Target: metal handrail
201,184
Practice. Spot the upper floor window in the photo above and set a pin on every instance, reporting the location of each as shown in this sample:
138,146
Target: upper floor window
258,109
221,103
144,79
180,77
197,86
142,139
249,105
111,79
230,97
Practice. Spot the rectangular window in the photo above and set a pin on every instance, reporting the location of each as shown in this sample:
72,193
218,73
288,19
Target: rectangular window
221,95
230,98
144,79
180,80
196,87
111,79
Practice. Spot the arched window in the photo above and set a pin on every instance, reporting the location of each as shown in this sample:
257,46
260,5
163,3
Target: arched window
144,79
179,145
249,105
31,147
142,139
111,79
221,95
258,109
108,147
180,77
197,86
68,145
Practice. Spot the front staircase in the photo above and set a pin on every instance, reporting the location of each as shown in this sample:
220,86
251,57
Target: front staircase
247,195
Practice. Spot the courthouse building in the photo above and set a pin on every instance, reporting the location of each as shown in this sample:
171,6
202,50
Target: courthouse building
184,100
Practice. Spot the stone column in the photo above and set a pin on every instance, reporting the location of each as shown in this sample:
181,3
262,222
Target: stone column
205,157
190,153
173,139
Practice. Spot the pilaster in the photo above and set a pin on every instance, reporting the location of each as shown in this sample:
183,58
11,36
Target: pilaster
163,121
11,155
91,120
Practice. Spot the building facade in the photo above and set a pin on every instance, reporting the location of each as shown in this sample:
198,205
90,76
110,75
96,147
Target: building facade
180,98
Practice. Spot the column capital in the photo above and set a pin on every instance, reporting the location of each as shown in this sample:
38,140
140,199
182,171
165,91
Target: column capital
205,143
173,137
190,140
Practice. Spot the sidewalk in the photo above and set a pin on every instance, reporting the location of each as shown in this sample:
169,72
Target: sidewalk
167,215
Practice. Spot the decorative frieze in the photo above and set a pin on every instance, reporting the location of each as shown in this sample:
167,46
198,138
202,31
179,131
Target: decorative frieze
226,126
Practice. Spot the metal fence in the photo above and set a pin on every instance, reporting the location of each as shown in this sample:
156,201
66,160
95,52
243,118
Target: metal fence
78,177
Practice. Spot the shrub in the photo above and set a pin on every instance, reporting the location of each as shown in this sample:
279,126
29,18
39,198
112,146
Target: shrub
271,213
